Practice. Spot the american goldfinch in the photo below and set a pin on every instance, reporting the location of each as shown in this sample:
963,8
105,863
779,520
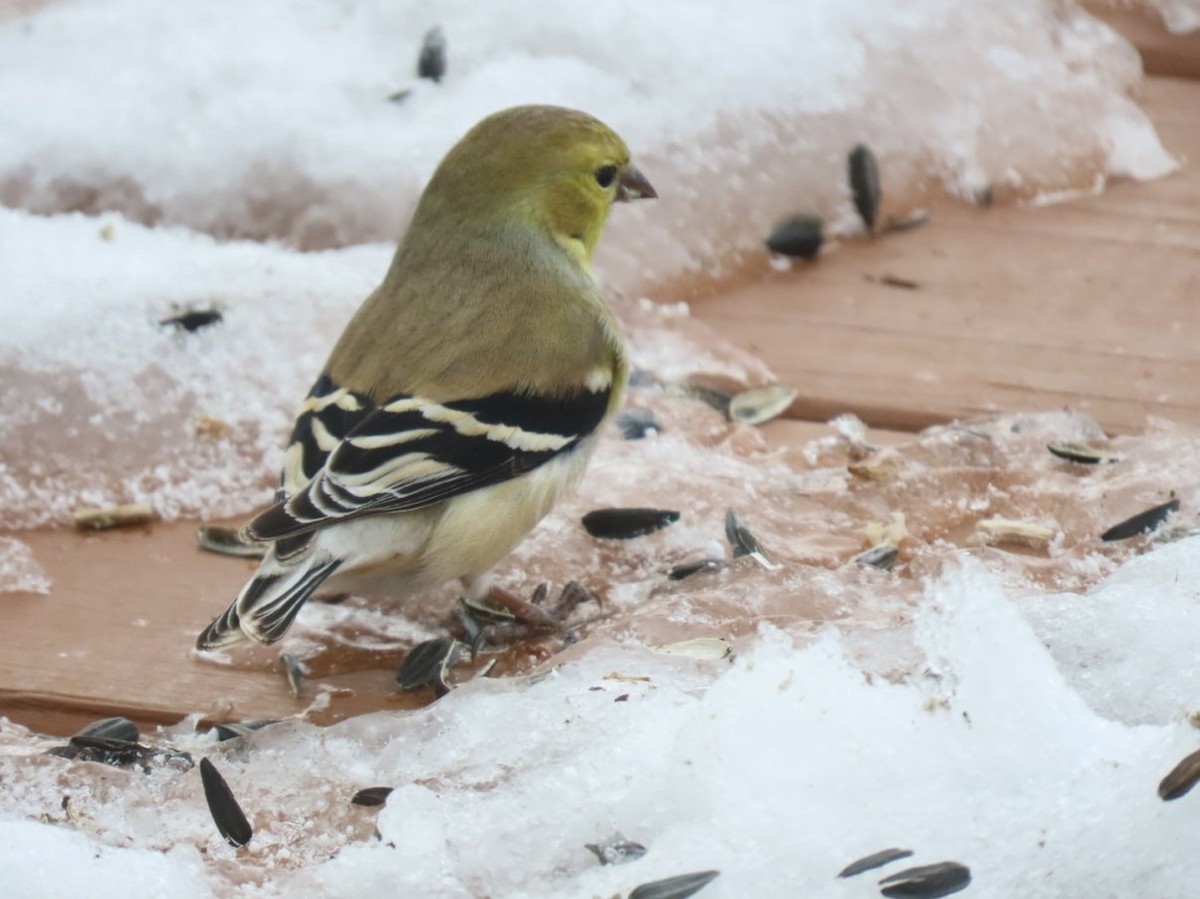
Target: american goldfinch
467,393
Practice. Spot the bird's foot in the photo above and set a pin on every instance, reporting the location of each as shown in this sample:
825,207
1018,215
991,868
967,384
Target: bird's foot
504,617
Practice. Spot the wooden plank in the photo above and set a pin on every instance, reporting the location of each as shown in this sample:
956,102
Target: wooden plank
1163,53
1089,304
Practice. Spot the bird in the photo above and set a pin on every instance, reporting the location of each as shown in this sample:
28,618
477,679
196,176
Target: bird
468,392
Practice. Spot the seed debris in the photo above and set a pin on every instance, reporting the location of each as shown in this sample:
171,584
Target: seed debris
428,664
370,797
1142,523
863,171
228,542
760,405
294,669
431,63
635,424
873,861
103,518
193,320
1181,779
675,887
113,728
882,557
1000,531
1081,453
687,569
231,730
616,850
226,813
624,524
745,543
799,236
927,881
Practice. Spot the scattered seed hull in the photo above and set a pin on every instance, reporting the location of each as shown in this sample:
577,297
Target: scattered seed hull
294,670
687,569
226,542
193,320
882,557
1181,779
226,813
799,236
624,524
708,648
431,63
675,887
112,728
234,729
1000,531
1081,453
760,405
927,881
428,664
635,424
1142,523
94,518
873,861
370,797
863,171
616,851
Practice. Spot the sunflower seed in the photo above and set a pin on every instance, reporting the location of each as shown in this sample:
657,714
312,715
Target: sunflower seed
95,518
799,236
675,887
1181,779
698,648
294,669
233,729
226,813
228,542
616,850
1142,523
637,423
761,404
687,569
745,543
193,320
882,557
431,63
623,524
913,220
114,728
863,172
999,531
927,881
371,796
874,860
428,664
1081,453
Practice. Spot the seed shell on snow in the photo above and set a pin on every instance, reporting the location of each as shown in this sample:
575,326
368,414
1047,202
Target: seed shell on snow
873,861
1082,453
697,648
113,728
431,63
617,850
428,664
193,320
231,730
687,569
761,404
1142,523
863,172
227,542
624,524
675,887
1181,779
370,797
927,881
635,424
745,543
799,236
226,813
999,531
882,557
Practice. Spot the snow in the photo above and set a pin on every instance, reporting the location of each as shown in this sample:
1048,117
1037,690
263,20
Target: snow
776,768
162,158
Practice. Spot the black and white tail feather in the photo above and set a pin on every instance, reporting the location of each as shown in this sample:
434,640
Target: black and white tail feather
349,459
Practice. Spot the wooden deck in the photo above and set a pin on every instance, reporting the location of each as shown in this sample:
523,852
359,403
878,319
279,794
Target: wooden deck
1090,304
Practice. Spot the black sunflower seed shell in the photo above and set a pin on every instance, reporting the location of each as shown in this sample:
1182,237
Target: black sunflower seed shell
427,663
743,542
927,881
1181,779
635,424
616,851
863,171
873,861
1142,523
193,320
624,524
231,730
882,557
431,63
675,887
226,813
687,569
116,728
799,236
371,797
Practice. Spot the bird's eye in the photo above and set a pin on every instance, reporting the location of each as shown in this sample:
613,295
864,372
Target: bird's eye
605,175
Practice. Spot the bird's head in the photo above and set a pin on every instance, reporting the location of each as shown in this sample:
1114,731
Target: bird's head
555,168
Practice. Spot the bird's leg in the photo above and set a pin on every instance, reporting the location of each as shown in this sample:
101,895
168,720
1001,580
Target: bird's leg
524,617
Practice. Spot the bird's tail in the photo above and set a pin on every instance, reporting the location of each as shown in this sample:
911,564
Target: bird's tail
269,603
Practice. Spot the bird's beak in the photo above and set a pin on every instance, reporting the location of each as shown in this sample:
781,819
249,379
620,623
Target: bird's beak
632,185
